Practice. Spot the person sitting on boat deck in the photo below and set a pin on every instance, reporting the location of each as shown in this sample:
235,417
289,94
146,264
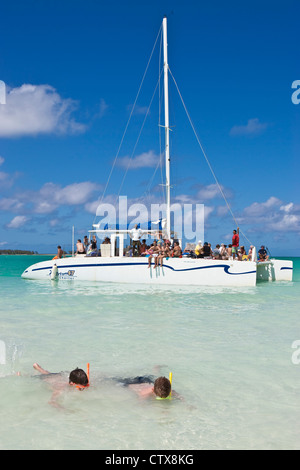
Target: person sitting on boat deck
206,251
217,252
80,248
159,253
198,249
92,249
223,251
143,248
176,251
250,252
189,251
153,252
59,382
164,253
229,251
235,242
263,254
59,253
242,254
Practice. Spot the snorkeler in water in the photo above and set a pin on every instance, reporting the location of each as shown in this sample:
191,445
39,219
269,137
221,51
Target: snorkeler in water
147,387
78,378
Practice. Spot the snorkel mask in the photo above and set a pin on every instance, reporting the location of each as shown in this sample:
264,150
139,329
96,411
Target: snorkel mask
82,387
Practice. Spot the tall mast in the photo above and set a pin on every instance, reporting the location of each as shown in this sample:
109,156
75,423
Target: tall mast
167,129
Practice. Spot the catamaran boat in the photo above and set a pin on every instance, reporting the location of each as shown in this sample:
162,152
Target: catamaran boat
114,266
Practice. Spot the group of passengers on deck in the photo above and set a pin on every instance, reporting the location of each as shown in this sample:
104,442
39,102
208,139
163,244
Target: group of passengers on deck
163,248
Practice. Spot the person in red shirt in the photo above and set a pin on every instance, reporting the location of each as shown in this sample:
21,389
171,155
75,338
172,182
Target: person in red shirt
235,242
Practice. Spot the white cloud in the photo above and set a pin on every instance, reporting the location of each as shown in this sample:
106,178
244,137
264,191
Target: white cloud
17,222
144,160
6,180
47,200
288,207
184,199
102,108
51,196
287,223
37,109
54,222
139,110
260,209
253,127
273,216
212,191
10,204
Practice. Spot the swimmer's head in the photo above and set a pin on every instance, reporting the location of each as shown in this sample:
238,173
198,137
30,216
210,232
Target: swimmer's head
162,387
78,377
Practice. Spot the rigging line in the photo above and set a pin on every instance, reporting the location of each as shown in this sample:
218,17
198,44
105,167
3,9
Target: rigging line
205,156
141,130
131,113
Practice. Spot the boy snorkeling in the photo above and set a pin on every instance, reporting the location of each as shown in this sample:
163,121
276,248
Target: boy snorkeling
78,378
145,387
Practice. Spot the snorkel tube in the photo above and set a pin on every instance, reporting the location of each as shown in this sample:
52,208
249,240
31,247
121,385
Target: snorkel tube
88,372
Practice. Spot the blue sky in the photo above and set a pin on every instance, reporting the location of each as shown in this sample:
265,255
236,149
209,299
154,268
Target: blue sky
72,71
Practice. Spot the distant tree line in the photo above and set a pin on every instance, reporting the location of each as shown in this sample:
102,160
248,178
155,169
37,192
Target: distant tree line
17,252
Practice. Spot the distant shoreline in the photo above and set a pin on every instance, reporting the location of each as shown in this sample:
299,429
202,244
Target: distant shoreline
27,254
18,252
24,253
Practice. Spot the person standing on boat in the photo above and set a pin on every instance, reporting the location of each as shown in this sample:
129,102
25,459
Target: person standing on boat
143,248
86,243
235,242
136,235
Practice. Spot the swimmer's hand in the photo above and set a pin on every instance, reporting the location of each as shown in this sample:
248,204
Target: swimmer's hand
37,367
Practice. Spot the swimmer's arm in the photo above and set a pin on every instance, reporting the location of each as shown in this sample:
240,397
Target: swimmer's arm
142,390
53,400
176,395
40,369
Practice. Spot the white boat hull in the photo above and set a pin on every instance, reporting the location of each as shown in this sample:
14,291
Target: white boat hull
275,270
179,271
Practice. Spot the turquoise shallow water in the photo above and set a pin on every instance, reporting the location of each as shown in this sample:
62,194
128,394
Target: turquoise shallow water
230,351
